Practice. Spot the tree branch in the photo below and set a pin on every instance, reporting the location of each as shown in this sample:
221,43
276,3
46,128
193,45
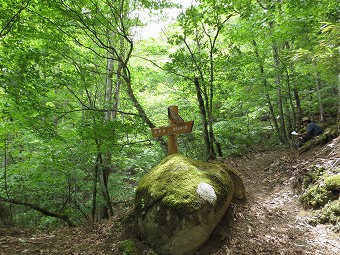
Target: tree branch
162,68
44,211
8,26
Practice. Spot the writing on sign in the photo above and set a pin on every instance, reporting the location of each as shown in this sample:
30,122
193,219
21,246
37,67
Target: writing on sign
185,127
181,128
160,131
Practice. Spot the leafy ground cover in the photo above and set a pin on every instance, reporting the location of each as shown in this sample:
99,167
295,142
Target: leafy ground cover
273,219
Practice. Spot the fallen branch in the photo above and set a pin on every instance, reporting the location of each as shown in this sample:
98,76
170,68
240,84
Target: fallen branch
44,211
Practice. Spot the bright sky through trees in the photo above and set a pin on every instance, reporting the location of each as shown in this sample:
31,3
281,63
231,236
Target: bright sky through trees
155,26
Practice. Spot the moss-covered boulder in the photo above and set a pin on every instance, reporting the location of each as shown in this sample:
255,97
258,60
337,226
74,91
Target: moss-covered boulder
180,202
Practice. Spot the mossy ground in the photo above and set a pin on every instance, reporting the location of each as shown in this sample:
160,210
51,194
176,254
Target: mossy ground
128,247
321,192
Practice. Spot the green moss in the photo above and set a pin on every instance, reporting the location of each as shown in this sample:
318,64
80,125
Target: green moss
239,189
316,196
127,247
313,176
177,190
330,213
332,183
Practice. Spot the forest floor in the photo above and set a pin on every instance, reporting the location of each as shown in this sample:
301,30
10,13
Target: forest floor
270,221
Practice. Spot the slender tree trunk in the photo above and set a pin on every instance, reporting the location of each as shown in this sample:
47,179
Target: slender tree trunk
109,88
298,106
318,91
321,107
203,116
104,160
5,215
112,96
103,173
212,153
276,60
282,134
119,81
116,93
210,107
289,116
293,94
338,91
339,94
94,191
266,89
289,106
219,148
291,102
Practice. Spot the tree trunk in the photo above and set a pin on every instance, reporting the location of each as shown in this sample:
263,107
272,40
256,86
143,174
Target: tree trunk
5,215
321,107
318,92
103,161
339,94
94,191
203,116
209,103
109,88
219,148
143,115
282,134
291,102
293,93
104,172
298,106
266,89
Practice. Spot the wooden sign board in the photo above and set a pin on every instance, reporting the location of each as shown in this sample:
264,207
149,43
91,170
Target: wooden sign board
177,126
185,127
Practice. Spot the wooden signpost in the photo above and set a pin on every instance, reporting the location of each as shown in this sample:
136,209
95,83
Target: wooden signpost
176,126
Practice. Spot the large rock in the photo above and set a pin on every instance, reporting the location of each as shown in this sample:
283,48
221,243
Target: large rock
180,202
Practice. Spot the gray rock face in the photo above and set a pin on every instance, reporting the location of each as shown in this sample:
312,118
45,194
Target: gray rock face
180,202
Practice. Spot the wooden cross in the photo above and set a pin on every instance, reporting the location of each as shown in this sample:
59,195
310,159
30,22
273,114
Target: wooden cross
176,126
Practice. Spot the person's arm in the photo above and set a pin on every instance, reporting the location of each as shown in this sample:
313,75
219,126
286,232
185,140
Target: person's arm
304,133
307,131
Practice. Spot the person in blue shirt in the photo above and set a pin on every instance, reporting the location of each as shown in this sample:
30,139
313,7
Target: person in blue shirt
312,130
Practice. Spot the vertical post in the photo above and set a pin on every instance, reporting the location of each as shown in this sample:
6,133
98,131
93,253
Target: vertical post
172,139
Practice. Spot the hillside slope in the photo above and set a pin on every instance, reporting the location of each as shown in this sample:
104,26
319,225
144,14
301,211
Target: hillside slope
271,220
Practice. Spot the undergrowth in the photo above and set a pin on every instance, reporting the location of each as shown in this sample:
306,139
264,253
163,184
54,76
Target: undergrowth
321,189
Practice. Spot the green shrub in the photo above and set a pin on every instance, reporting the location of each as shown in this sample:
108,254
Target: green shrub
127,247
330,213
314,175
316,196
322,190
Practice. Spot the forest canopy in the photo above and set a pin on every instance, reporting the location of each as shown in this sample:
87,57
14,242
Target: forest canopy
82,83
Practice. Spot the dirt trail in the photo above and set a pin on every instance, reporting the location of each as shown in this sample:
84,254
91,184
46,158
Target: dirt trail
269,221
